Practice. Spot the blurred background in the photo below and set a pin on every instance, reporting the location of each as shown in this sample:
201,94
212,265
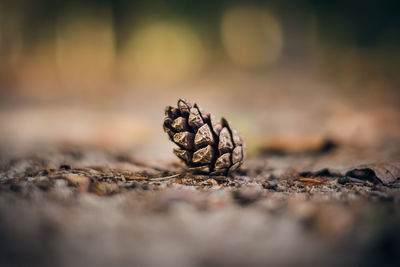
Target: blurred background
100,72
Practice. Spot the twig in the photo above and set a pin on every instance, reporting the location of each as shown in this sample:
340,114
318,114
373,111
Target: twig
164,178
310,180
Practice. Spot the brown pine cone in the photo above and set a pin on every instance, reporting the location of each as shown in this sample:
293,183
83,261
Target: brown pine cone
205,146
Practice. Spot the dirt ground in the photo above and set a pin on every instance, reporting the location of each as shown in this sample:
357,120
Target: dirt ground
84,206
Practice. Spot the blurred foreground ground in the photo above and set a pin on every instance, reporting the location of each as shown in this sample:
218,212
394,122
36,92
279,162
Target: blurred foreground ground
83,206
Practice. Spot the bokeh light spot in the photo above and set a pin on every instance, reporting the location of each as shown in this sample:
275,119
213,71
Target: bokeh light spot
252,37
163,52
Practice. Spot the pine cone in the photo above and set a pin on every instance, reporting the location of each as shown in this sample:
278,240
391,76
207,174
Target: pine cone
205,146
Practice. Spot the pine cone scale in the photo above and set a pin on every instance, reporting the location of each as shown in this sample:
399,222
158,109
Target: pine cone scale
223,162
205,145
185,155
237,154
225,141
179,124
203,137
184,140
203,155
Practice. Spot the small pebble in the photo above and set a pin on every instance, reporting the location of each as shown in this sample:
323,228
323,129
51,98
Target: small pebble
65,167
270,185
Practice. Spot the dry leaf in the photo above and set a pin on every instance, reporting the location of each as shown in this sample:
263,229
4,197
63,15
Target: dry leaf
177,181
385,173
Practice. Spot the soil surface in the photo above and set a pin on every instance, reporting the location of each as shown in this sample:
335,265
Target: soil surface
84,206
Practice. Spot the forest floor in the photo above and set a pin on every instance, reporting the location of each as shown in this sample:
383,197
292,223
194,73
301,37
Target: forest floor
84,206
